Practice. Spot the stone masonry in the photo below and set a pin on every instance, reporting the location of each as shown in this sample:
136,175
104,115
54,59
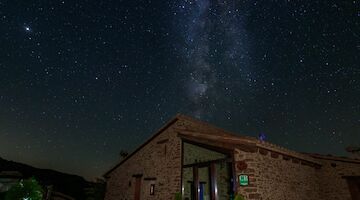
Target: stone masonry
275,173
273,176
159,161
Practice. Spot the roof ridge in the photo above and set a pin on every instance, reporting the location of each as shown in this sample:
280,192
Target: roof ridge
261,144
332,157
222,130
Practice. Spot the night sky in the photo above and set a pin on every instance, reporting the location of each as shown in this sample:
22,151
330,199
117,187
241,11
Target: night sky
82,80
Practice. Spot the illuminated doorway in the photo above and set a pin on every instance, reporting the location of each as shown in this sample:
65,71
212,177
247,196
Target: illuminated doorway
206,174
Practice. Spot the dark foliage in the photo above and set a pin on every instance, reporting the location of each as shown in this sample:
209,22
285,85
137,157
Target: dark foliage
71,185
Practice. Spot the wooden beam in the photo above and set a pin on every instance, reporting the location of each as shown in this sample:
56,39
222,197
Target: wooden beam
213,182
196,182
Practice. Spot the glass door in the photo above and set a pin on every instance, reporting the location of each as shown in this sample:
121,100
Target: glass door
204,191
188,186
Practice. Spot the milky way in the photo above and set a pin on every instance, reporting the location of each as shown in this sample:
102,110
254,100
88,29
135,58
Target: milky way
82,80
214,40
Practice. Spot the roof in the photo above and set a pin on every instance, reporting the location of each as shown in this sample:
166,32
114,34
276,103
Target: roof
218,137
334,158
245,144
172,121
217,131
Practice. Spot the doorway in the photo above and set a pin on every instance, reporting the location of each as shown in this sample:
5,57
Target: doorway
207,174
204,183
210,181
354,186
137,188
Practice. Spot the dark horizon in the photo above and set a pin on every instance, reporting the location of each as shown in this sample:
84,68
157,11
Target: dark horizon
81,81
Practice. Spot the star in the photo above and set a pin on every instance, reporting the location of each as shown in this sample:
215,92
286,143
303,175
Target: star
27,28
249,69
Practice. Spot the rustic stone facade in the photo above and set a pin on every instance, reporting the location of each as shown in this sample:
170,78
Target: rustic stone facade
275,177
275,173
333,181
158,162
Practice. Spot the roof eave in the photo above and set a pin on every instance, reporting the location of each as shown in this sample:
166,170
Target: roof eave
169,123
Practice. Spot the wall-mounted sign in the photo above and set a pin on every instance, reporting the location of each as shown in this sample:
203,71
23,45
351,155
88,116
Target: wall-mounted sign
243,180
152,189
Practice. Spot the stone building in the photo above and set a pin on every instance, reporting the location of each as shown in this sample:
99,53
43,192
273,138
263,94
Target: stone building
203,162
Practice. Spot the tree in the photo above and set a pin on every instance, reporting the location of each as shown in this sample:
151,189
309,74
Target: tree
25,190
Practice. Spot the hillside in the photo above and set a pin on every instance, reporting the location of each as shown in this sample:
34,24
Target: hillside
68,184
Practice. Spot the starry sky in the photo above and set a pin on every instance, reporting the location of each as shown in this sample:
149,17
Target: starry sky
82,80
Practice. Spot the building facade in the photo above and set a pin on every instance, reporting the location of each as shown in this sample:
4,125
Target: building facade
202,162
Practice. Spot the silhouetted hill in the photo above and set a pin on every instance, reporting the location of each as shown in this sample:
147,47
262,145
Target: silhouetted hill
68,184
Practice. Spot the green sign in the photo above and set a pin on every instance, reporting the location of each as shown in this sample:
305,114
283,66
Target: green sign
243,180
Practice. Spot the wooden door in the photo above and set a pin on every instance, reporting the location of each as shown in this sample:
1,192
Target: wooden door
354,186
137,188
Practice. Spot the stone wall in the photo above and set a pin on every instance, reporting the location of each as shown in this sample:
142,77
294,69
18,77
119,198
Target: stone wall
276,177
333,185
160,159
272,176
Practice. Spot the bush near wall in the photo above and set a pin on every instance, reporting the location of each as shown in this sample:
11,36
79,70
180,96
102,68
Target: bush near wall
25,189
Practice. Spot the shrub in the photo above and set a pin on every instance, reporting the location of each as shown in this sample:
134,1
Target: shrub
25,189
239,197
178,196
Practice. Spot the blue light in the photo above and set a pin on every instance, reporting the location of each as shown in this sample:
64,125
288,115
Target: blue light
262,137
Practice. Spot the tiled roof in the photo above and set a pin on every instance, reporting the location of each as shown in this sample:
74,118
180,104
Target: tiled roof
333,157
226,139
232,141
224,136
